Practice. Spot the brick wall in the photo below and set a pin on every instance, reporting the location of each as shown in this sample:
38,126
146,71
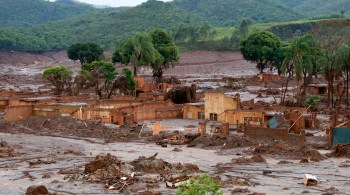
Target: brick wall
275,134
16,113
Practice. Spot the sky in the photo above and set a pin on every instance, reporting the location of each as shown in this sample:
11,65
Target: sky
116,3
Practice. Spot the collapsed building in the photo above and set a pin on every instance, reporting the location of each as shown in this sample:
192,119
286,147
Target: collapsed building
148,104
258,121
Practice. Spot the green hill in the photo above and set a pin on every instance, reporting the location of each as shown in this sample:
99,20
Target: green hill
27,13
231,12
104,27
313,8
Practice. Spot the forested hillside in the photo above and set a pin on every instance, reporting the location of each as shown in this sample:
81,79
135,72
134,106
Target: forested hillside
42,25
312,8
231,12
27,13
103,27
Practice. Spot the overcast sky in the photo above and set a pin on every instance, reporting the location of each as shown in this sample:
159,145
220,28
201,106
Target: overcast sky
116,3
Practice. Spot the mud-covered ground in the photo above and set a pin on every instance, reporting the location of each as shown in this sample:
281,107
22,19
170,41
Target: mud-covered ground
56,152
59,163
21,71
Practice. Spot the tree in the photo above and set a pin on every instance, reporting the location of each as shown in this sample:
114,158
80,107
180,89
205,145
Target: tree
166,54
343,59
102,75
125,83
260,48
342,12
332,35
85,52
60,77
303,56
137,50
244,27
204,185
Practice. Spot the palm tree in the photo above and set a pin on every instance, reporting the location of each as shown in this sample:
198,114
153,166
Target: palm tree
302,55
143,52
138,50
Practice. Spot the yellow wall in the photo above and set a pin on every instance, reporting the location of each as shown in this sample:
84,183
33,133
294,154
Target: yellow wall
235,117
218,103
192,111
16,113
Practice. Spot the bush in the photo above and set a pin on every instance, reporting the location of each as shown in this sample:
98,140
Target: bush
204,185
313,101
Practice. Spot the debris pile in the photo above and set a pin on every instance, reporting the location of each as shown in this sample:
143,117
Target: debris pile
246,160
67,126
341,150
287,151
233,141
109,170
37,190
181,95
5,150
178,139
39,161
119,175
153,165
234,181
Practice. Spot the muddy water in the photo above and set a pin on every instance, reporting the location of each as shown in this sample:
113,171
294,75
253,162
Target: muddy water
287,179
52,148
284,179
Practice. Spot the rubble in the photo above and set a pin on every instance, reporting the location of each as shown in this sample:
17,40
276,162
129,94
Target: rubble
345,164
176,182
240,190
341,150
253,159
310,180
118,175
37,190
77,153
287,151
178,139
5,150
39,161
69,127
233,141
251,104
103,162
234,181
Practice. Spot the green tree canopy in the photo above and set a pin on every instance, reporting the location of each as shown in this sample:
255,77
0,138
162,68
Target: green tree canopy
102,75
166,54
303,55
260,48
59,76
85,52
138,50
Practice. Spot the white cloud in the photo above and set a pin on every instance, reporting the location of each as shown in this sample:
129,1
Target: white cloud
116,3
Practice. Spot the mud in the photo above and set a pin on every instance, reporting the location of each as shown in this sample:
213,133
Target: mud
287,151
341,151
6,150
247,160
233,141
68,156
69,127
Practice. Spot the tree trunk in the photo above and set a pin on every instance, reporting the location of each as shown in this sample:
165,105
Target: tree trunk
347,89
135,71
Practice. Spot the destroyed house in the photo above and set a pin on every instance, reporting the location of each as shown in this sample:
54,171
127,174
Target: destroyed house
216,104
194,111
